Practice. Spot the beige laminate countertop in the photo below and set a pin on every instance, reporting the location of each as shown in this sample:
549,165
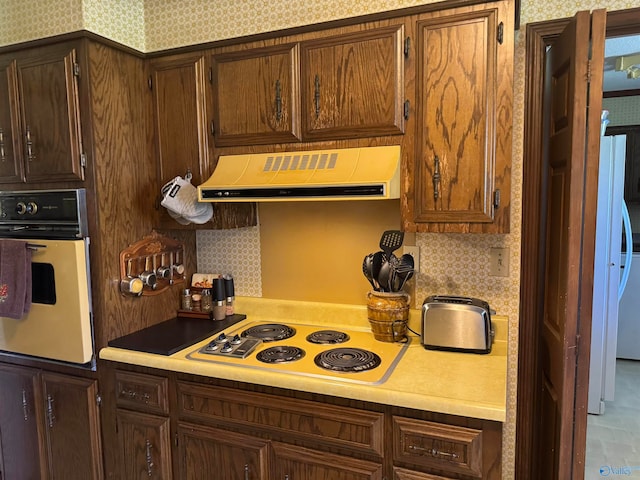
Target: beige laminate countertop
463,384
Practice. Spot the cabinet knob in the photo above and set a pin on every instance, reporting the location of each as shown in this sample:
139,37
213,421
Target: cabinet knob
278,101
2,152
149,458
50,415
316,95
436,178
29,144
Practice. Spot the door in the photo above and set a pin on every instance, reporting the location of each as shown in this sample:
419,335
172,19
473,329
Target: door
10,160
145,445
256,96
72,427
206,452
50,113
293,462
352,85
572,139
20,417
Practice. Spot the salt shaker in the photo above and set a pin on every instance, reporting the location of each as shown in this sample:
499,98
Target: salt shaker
230,293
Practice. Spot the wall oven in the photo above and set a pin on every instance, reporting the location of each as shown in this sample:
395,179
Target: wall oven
59,325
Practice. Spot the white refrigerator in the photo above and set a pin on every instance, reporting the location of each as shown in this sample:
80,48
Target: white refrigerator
609,280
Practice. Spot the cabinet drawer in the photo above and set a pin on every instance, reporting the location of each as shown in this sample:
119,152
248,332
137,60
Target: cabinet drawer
142,392
289,420
437,446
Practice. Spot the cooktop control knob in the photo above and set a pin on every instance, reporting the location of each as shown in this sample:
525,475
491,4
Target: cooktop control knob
222,338
21,208
227,347
32,208
236,340
212,347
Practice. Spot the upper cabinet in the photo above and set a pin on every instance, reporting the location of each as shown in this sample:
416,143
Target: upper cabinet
255,96
337,87
180,116
40,138
459,176
178,85
353,85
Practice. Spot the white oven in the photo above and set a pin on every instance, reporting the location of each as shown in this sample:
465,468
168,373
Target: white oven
58,325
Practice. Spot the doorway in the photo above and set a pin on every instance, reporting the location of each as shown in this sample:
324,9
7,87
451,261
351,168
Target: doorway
528,430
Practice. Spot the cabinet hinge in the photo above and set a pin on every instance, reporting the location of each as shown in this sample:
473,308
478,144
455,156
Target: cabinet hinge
407,46
83,160
407,104
76,69
589,71
500,33
496,198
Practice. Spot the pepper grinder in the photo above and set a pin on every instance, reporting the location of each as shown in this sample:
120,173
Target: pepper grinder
219,307
230,292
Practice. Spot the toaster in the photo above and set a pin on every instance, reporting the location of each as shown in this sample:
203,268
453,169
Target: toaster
460,324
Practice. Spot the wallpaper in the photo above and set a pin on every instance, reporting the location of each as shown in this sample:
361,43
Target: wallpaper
455,262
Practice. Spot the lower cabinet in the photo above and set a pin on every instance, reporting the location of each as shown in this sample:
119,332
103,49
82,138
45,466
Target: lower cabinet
206,452
196,428
49,425
291,462
145,443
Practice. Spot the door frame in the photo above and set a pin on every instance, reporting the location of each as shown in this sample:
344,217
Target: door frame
538,36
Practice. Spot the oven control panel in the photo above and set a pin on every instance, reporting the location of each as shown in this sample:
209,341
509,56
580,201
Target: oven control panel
236,346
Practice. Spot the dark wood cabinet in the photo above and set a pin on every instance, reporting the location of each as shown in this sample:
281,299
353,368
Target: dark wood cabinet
181,137
296,462
49,425
21,452
238,431
145,445
353,84
256,95
40,119
181,119
459,179
206,452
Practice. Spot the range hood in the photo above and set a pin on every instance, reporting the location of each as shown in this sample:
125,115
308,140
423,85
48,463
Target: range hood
343,174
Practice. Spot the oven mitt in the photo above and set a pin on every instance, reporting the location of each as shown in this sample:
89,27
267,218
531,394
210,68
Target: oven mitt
180,198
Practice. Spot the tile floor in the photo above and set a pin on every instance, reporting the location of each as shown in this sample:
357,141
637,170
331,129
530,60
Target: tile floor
613,439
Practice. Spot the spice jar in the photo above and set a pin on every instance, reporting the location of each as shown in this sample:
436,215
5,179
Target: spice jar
186,303
206,301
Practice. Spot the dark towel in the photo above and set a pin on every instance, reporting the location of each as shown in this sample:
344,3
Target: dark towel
15,278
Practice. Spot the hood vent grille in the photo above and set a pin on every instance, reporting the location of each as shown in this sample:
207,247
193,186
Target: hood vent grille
344,174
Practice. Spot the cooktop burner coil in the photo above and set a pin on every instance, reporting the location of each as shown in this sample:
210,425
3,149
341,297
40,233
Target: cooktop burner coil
280,354
347,360
327,337
270,332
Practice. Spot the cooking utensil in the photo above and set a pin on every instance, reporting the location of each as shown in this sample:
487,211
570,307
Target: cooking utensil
376,265
367,268
390,241
403,271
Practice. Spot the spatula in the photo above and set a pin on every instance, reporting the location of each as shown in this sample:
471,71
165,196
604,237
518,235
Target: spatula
390,241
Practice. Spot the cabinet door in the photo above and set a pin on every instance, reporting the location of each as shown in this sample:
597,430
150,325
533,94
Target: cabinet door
21,453
256,96
463,142
297,462
49,109
206,452
10,160
180,117
353,85
145,445
72,427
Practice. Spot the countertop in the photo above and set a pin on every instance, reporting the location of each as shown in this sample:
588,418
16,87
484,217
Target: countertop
463,384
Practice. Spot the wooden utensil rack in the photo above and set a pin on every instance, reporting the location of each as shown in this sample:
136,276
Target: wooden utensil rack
155,253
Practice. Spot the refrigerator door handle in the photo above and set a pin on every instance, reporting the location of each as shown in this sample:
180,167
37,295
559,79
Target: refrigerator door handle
628,258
